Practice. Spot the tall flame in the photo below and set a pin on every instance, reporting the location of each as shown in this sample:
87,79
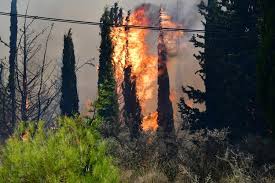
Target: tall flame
144,64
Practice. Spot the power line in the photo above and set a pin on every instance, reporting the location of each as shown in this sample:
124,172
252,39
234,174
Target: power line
80,22
154,28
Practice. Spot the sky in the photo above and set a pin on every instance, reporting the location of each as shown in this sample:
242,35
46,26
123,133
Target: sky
87,39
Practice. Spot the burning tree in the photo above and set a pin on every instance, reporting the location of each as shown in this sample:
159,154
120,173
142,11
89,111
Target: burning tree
165,109
166,130
132,50
107,103
132,109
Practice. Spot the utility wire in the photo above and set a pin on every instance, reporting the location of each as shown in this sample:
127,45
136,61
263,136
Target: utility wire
155,28
99,23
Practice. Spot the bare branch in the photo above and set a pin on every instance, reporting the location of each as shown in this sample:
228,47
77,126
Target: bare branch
5,43
88,62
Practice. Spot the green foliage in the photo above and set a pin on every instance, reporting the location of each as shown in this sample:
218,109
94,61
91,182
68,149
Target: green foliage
227,57
72,152
107,107
266,63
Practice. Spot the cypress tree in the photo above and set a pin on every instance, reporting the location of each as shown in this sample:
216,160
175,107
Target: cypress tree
266,63
132,109
107,107
12,63
166,130
228,70
69,98
165,109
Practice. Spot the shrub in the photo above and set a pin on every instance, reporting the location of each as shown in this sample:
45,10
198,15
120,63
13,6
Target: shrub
71,152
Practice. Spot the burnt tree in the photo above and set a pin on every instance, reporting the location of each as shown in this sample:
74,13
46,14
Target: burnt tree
165,108
166,132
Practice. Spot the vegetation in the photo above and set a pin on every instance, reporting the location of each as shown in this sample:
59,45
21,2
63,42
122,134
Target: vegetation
229,142
266,63
12,62
107,107
67,152
228,70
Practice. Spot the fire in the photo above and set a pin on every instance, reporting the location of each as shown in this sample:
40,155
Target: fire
144,64
173,95
27,104
150,122
170,37
190,103
87,108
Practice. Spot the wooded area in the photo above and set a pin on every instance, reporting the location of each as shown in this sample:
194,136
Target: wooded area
45,137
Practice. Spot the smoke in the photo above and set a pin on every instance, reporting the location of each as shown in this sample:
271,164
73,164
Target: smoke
87,40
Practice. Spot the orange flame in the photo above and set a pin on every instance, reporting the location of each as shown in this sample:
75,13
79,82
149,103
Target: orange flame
27,104
150,122
87,108
173,95
144,64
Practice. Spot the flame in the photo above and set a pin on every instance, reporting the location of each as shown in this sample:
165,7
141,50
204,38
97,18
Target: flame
170,37
27,104
144,64
173,95
190,103
150,122
87,108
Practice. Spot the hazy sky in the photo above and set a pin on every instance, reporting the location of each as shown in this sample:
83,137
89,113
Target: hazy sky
86,38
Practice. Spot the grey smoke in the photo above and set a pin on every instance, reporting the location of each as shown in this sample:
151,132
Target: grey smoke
87,40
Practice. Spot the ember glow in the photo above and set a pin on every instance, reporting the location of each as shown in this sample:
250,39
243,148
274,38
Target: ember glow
144,64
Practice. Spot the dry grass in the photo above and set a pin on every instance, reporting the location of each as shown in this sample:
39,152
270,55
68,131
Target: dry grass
202,157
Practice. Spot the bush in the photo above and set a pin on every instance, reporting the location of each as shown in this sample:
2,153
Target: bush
71,152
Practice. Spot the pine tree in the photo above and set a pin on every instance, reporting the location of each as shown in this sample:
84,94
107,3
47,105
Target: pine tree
266,63
107,107
69,99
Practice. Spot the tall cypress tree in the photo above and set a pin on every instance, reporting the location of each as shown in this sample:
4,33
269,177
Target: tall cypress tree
107,107
69,99
166,130
266,63
228,70
165,109
12,63
132,109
